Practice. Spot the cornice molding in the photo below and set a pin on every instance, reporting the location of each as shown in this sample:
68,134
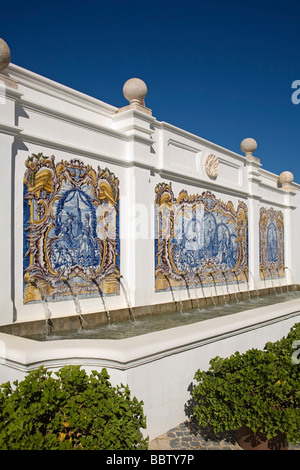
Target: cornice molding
70,118
199,140
50,87
9,129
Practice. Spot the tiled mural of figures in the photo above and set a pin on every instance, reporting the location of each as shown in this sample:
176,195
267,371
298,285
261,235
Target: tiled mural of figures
271,243
199,239
71,230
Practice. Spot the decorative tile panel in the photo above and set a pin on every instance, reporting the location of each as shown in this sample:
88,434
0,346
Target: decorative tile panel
71,230
199,239
271,243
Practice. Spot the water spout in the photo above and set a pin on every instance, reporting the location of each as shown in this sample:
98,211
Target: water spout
272,283
237,281
262,270
292,279
198,275
224,275
187,287
180,301
75,300
94,281
171,289
287,281
196,294
247,281
226,281
211,292
125,289
173,296
280,284
234,290
214,283
222,284
34,282
47,312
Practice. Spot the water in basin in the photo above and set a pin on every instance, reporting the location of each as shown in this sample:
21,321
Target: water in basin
151,323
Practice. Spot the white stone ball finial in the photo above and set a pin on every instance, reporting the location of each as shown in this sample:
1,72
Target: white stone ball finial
285,179
135,91
5,55
248,146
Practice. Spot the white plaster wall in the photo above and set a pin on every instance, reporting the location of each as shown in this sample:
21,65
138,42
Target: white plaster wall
8,132
294,252
183,155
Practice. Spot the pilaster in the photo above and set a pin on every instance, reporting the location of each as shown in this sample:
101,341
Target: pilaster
9,94
136,125
135,121
248,146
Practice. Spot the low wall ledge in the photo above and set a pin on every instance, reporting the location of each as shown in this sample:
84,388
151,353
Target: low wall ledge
26,354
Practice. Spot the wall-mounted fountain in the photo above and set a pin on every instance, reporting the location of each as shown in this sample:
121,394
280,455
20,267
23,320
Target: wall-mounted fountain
111,216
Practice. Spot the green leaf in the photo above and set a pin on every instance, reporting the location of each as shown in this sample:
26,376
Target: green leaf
71,411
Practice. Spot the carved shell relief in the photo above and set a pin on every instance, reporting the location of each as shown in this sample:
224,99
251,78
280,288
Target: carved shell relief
212,166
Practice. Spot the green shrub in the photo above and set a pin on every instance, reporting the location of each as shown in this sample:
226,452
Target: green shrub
259,389
72,411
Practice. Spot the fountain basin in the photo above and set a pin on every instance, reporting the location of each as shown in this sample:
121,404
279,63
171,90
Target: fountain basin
65,325
158,367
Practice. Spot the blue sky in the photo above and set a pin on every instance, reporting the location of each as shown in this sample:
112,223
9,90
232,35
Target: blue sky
222,70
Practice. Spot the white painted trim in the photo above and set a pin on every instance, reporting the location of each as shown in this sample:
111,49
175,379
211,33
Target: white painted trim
9,129
53,144
57,90
70,118
199,140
